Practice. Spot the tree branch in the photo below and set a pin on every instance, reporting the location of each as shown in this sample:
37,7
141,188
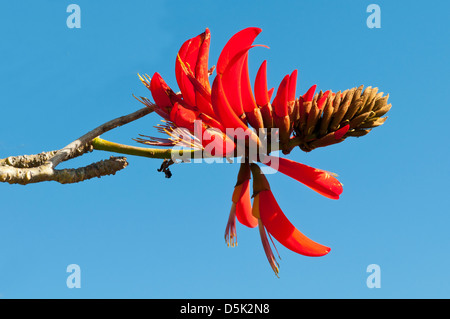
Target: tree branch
68,151
45,172
26,169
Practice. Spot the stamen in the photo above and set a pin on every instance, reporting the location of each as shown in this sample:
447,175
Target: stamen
145,80
154,141
230,230
177,137
267,249
273,244
145,101
328,173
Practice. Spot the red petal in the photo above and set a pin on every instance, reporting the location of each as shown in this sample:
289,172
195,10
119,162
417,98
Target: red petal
232,79
230,64
237,42
197,85
248,100
224,112
318,180
183,117
244,207
341,132
201,74
270,93
280,103
212,122
222,107
194,53
158,87
204,104
188,53
281,228
216,143
261,95
309,94
292,86
201,69
202,93
322,100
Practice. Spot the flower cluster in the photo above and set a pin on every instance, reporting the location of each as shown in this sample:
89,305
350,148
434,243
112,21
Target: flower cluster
309,121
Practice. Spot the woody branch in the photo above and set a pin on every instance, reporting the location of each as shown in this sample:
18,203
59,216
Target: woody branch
27,169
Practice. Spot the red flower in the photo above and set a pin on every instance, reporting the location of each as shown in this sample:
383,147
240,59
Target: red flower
230,103
271,217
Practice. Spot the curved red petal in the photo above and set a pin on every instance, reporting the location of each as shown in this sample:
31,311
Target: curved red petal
270,93
230,64
322,100
281,228
201,74
308,96
194,53
210,121
202,94
183,117
201,69
280,103
244,207
248,100
222,107
292,86
232,81
318,180
158,88
216,143
204,104
341,132
197,85
237,42
187,54
181,55
231,84
261,94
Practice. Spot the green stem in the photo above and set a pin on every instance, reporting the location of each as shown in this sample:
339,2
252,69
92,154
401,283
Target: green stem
104,145
161,153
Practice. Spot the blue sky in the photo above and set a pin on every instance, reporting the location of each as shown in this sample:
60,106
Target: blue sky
139,235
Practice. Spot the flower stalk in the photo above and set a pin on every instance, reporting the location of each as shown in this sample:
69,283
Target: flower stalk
160,153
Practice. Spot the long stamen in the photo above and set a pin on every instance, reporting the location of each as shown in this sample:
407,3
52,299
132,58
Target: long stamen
230,230
273,244
267,249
